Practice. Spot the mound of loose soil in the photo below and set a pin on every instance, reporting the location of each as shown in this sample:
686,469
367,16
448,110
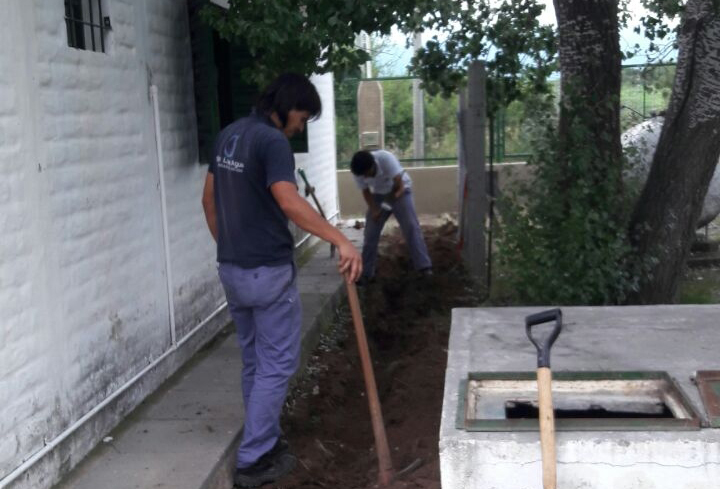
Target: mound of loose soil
407,318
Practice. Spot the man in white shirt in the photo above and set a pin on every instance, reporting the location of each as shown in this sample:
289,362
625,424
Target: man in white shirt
386,188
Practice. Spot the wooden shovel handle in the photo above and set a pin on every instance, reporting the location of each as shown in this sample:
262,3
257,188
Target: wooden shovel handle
547,428
385,473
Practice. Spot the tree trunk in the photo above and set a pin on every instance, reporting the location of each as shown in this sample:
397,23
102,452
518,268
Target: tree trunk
590,67
664,219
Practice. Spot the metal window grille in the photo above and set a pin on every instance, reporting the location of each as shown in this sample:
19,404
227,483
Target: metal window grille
86,26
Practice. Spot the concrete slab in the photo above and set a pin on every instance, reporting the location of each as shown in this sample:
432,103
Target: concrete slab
185,434
189,404
179,435
150,436
319,284
141,471
677,339
217,370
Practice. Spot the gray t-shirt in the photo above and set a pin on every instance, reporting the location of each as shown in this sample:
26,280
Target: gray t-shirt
250,155
388,167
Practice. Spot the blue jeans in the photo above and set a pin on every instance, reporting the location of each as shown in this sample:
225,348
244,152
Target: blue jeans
265,305
404,210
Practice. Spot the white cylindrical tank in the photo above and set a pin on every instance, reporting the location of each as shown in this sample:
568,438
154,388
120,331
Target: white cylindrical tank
640,142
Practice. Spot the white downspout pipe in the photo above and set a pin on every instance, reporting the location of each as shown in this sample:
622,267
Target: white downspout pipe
163,208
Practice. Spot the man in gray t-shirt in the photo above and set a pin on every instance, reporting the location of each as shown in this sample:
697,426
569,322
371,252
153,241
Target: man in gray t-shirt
386,188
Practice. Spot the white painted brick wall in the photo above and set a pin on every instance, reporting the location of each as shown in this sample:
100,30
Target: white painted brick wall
83,299
94,282
320,162
23,355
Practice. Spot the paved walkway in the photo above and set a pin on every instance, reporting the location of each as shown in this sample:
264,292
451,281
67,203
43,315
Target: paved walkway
184,435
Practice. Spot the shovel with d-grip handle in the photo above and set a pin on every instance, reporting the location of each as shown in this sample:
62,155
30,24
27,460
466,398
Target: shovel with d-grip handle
544,379
310,190
385,472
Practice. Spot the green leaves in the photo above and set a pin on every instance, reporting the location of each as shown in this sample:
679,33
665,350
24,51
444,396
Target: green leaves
517,50
656,25
563,236
315,36
306,36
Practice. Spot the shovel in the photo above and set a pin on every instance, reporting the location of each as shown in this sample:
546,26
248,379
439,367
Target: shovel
544,380
309,189
385,472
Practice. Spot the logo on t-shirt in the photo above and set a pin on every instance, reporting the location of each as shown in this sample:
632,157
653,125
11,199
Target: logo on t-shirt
228,161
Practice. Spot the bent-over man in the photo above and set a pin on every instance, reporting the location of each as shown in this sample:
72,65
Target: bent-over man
386,188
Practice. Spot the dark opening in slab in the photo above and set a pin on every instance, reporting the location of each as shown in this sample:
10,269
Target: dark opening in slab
583,401
529,410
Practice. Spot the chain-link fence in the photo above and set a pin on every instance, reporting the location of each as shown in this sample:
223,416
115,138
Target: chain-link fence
645,92
440,123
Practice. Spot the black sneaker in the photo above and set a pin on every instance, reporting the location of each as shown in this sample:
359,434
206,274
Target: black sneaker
268,468
280,446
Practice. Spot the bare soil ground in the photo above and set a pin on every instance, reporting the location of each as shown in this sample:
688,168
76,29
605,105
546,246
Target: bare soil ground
407,319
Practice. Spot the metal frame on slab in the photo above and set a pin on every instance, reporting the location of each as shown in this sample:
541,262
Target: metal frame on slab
689,423
708,383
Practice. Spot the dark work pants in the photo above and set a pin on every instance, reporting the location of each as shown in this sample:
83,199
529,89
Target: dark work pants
404,210
265,306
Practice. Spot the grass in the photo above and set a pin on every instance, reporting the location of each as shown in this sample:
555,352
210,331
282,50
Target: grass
698,286
701,286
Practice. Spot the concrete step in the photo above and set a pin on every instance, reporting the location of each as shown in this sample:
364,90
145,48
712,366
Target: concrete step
185,434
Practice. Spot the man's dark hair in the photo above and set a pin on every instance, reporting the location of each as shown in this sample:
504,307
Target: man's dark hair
361,162
290,91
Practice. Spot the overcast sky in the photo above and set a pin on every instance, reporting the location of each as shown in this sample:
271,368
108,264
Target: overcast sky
397,57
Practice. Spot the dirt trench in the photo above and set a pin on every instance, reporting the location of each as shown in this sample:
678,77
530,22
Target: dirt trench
407,318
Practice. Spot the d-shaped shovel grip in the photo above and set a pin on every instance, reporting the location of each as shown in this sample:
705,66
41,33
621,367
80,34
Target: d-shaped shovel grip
544,347
304,177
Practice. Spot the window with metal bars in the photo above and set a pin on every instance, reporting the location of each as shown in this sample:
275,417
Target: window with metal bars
87,27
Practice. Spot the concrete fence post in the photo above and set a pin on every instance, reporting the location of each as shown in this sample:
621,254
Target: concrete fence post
473,203
371,115
418,111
